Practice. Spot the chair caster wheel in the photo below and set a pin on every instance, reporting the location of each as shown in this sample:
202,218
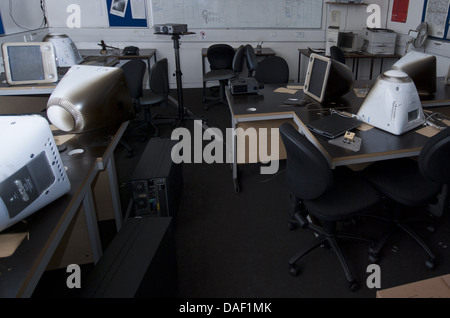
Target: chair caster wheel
430,264
353,286
294,270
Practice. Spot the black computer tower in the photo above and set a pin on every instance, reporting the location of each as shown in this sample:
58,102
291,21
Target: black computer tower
157,182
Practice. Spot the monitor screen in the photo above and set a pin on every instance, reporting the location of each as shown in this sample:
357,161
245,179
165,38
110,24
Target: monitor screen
327,78
29,63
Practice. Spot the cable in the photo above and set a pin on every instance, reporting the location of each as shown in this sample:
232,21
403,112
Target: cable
44,22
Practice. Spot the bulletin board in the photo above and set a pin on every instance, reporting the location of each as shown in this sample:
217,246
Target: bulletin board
436,14
2,30
127,13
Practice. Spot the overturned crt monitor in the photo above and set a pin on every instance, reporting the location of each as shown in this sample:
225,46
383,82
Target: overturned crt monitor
327,78
31,172
393,104
90,97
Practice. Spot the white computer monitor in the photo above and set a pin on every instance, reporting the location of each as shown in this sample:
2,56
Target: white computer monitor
327,78
29,63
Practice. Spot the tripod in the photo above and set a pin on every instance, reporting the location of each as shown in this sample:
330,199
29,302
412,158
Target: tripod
183,114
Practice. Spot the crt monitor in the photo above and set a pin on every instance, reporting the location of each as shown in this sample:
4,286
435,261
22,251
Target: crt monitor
32,174
90,97
421,67
327,78
29,63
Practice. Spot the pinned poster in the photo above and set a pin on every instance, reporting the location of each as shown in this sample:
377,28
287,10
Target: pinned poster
400,11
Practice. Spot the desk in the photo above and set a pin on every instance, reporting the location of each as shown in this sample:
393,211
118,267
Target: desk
21,272
267,111
264,52
354,56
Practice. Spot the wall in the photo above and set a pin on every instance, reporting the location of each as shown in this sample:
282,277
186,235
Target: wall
285,42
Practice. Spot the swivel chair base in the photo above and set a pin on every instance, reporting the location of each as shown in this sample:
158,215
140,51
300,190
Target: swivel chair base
328,236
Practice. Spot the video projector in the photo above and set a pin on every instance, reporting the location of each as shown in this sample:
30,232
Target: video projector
170,28
247,85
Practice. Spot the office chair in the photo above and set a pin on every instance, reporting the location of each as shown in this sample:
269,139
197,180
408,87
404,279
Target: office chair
252,61
411,183
328,196
225,63
158,94
134,72
337,54
272,70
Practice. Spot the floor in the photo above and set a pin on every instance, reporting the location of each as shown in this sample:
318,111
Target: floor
237,245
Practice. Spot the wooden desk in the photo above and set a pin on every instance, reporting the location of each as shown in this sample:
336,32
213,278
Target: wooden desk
354,56
264,52
49,226
266,110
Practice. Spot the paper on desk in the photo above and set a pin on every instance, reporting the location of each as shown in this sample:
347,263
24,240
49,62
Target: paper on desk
10,242
428,131
361,92
61,139
285,90
364,127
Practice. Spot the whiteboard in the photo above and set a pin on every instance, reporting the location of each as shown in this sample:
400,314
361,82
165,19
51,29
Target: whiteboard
198,14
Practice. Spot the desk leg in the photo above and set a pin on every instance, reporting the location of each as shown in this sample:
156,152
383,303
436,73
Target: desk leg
234,163
91,222
111,169
371,68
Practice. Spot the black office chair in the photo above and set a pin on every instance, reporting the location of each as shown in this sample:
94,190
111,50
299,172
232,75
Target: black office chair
328,196
272,70
158,95
134,72
251,59
225,64
412,183
337,54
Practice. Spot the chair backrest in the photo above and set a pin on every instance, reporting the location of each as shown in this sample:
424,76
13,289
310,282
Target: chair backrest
435,156
159,78
134,75
220,56
252,61
337,54
272,70
238,59
308,173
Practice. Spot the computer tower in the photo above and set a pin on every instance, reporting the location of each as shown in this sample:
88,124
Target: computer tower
157,182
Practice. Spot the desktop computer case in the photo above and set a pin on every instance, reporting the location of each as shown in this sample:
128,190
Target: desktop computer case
157,182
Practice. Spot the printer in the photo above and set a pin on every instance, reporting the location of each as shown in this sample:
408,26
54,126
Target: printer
381,41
